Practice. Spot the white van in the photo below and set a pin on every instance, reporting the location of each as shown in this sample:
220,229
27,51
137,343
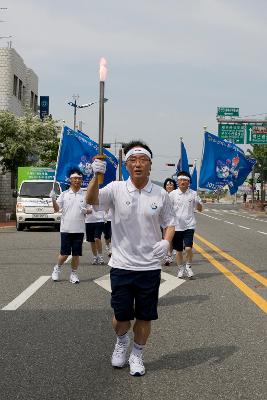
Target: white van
34,206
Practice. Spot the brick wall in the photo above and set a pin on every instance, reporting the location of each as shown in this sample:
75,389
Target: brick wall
7,202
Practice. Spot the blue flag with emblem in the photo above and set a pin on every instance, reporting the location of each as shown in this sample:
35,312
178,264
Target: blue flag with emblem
183,161
77,150
223,163
193,184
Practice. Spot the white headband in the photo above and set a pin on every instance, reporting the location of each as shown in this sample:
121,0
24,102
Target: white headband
76,175
137,150
183,177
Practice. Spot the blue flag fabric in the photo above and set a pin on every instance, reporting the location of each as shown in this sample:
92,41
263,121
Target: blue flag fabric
193,184
77,151
183,162
223,163
125,173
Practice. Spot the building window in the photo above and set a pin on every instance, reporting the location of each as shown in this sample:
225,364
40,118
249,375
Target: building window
23,94
15,85
20,90
32,99
35,103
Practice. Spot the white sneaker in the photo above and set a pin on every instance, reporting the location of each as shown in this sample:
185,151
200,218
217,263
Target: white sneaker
95,260
181,272
56,273
188,271
74,277
101,259
118,359
137,367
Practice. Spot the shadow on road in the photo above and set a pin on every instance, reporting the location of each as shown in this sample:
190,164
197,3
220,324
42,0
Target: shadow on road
190,358
171,301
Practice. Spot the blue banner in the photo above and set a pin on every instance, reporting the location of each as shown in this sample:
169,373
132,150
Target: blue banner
193,184
77,150
125,173
223,163
183,162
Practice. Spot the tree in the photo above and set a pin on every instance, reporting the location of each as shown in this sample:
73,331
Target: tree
27,141
259,152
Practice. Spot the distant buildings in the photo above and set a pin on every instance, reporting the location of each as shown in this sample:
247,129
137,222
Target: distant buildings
18,83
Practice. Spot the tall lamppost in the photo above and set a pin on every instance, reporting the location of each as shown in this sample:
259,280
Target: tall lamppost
75,106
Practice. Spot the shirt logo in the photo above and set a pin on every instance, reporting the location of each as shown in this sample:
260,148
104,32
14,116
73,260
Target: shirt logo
154,206
128,203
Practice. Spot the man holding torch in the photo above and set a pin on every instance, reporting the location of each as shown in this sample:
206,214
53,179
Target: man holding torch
138,208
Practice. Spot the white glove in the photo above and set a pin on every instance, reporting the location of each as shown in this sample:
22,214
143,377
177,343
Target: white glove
53,195
99,166
160,249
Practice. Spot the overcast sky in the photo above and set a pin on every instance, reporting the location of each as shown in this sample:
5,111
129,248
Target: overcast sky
170,64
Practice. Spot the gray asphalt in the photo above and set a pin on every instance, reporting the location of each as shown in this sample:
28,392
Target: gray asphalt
209,342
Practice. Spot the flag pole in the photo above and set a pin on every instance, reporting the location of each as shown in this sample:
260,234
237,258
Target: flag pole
58,154
181,156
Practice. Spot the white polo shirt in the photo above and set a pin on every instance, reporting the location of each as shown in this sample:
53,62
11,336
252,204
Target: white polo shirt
95,216
73,208
184,205
136,216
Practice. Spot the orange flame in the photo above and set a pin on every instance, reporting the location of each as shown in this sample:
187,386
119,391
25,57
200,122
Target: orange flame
102,69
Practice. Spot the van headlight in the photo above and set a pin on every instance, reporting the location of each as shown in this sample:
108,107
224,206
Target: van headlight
20,207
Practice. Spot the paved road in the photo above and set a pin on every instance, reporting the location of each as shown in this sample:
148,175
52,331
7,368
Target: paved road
209,342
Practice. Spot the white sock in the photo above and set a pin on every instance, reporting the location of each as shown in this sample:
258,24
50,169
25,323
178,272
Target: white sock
123,339
138,349
180,266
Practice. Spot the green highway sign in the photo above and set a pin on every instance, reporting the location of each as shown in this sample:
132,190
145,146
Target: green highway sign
227,112
255,136
234,133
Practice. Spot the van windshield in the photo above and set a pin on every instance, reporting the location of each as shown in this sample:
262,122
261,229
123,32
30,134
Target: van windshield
38,189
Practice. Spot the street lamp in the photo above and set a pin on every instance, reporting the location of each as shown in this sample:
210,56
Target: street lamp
75,106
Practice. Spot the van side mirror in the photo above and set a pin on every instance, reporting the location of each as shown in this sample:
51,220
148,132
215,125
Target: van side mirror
15,193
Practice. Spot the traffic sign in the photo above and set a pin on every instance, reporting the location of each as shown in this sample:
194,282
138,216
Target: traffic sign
256,136
234,133
227,112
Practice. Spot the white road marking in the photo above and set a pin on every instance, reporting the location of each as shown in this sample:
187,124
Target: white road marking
243,227
26,294
264,233
228,222
170,283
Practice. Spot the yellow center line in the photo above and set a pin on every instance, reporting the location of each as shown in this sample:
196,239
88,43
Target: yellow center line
233,260
257,299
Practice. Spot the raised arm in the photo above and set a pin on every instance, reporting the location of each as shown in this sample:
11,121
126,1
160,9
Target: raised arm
99,167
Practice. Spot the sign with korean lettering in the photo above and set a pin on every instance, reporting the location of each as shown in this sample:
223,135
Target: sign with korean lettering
227,112
35,173
234,133
256,134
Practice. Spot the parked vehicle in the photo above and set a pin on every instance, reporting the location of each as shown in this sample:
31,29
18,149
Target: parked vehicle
34,206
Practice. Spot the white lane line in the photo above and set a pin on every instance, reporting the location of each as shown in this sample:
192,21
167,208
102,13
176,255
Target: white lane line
228,222
264,233
26,294
243,227
170,283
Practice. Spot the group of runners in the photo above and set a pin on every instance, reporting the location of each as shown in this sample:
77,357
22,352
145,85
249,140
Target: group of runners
148,223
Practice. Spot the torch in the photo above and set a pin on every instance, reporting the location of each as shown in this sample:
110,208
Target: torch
102,77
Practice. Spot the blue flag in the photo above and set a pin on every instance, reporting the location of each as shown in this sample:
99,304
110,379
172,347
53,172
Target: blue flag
183,162
77,151
125,173
193,184
223,163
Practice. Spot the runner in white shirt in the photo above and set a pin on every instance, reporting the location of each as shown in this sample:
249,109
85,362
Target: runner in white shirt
94,226
169,185
138,209
73,206
107,231
185,201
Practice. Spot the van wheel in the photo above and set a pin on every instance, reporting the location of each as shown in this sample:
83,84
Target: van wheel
19,226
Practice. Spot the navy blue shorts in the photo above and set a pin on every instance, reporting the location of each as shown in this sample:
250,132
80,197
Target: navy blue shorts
71,244
107,230
134,294
94,231
183,239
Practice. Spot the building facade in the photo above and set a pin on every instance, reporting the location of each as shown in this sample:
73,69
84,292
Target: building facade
18,83
18,90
